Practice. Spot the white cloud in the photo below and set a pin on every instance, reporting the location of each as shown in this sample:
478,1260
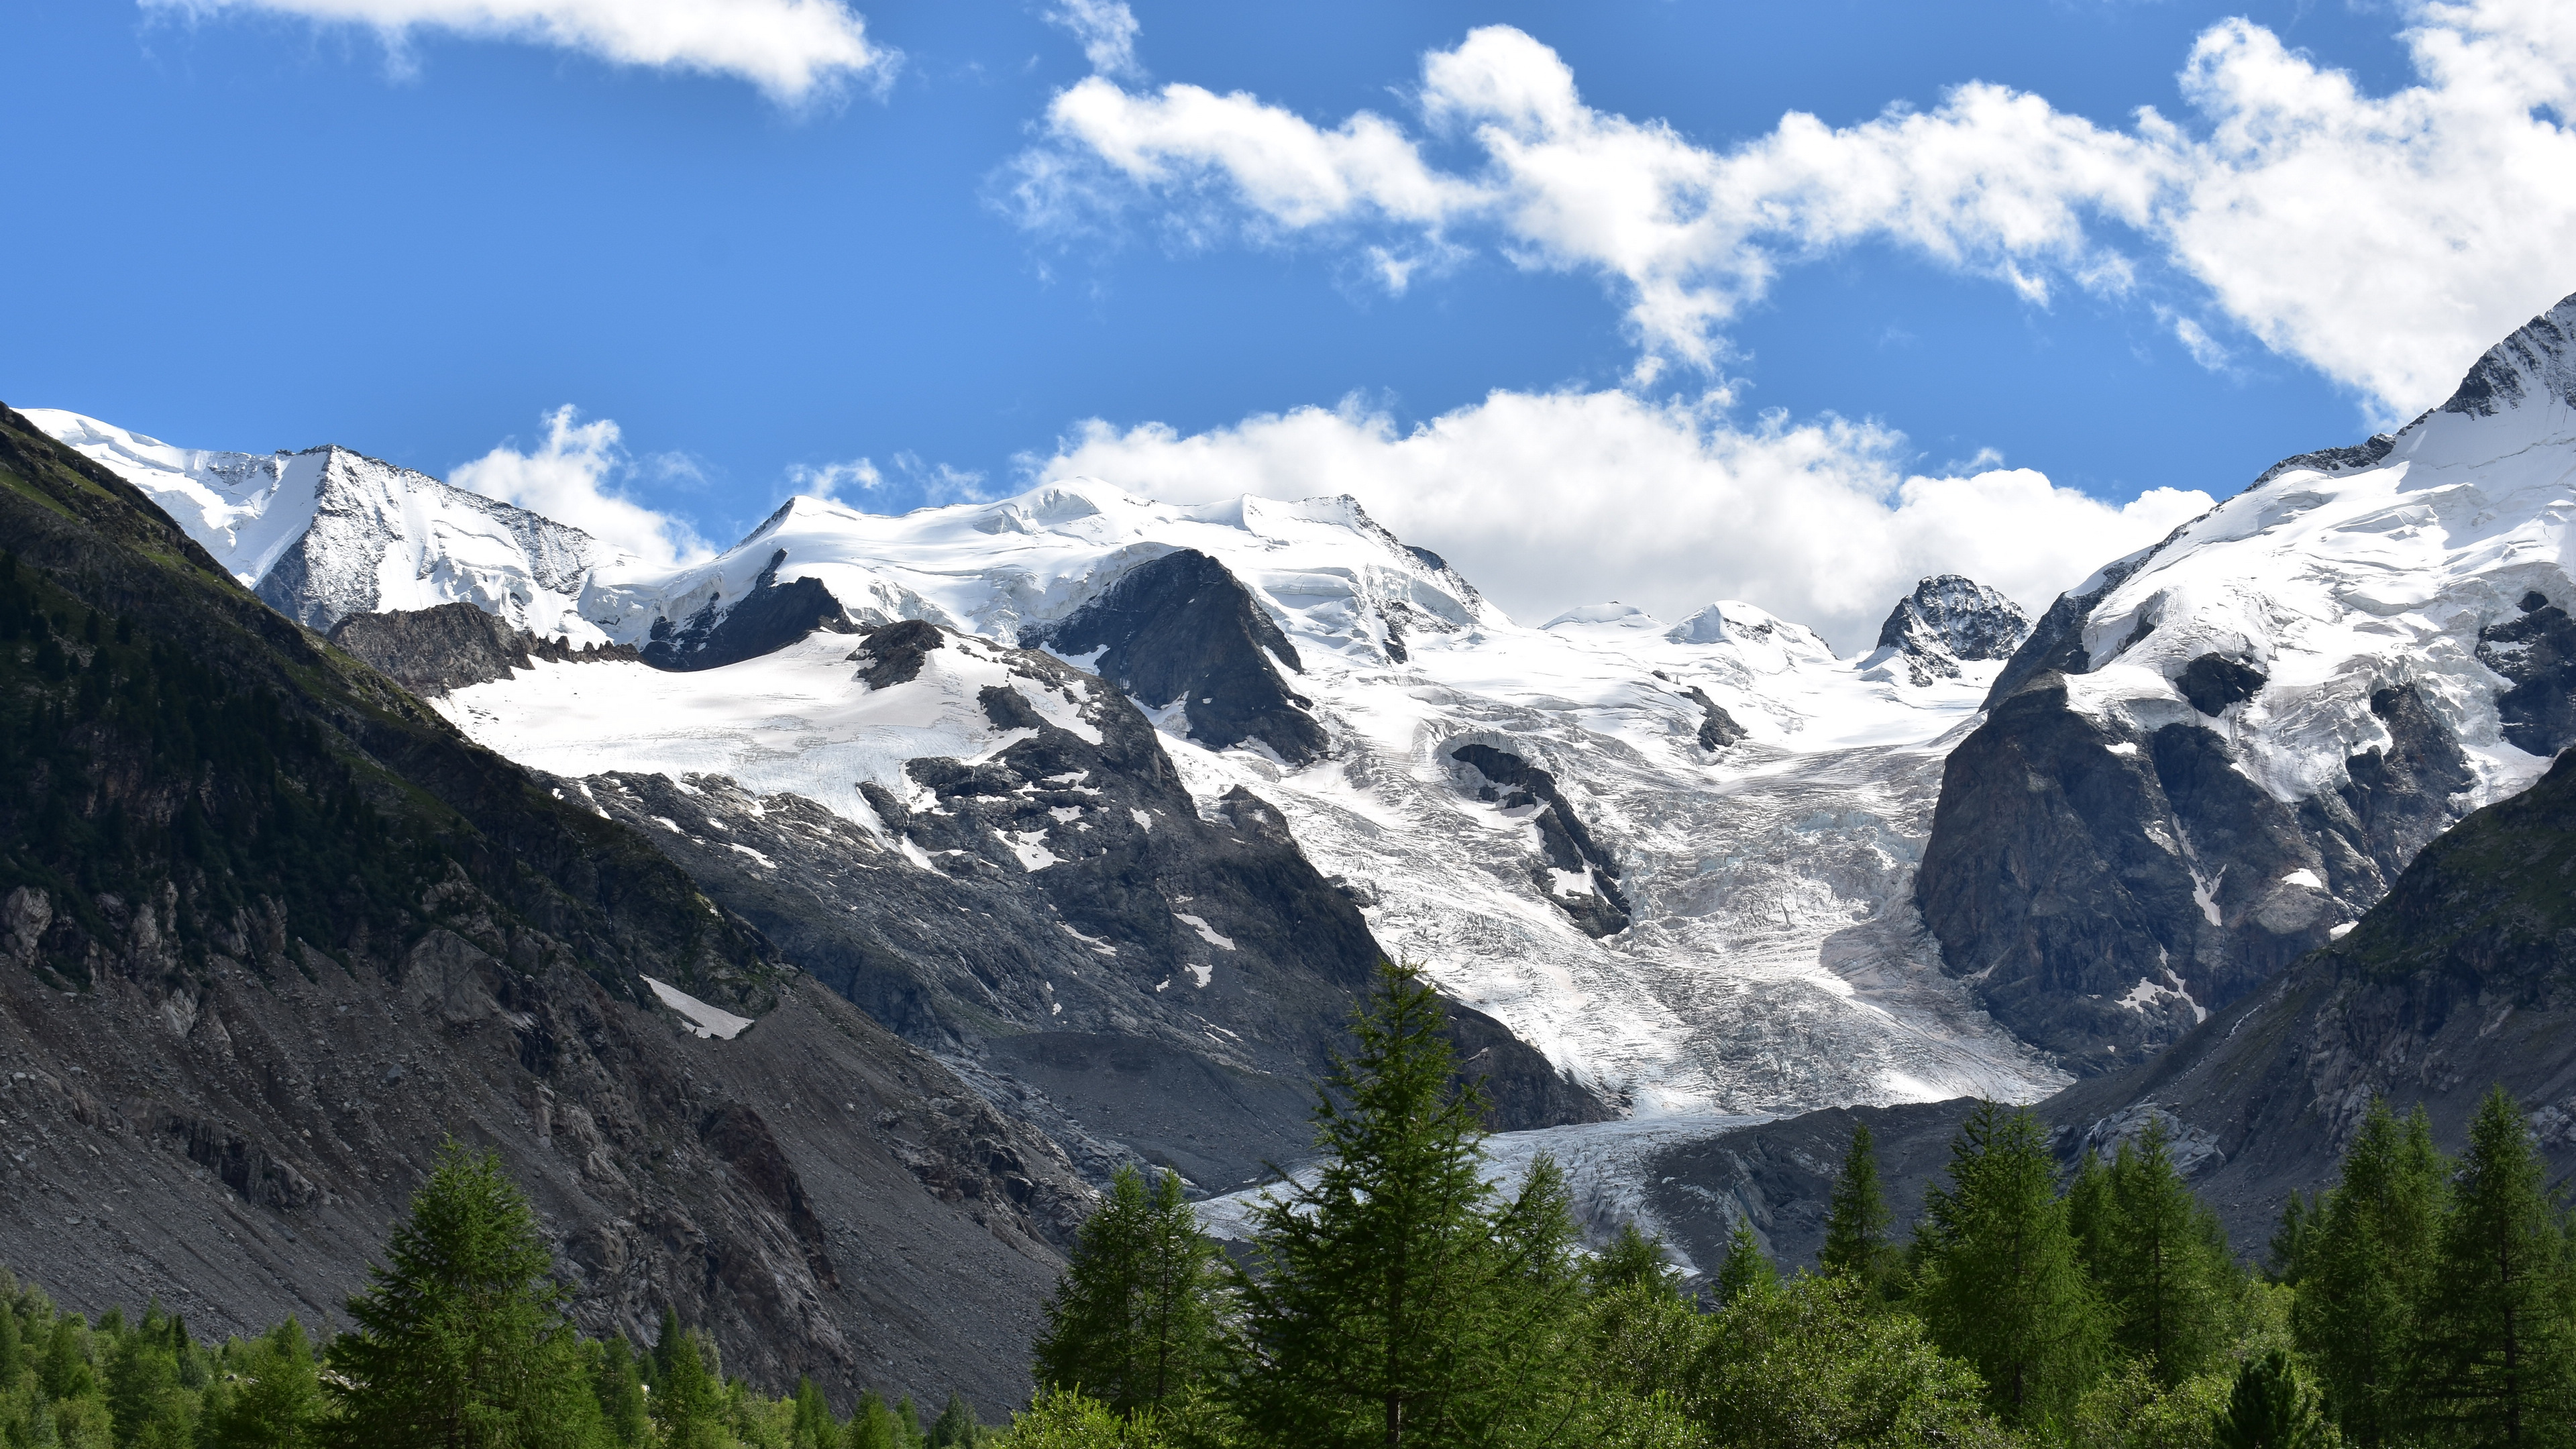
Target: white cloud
792,49
829,480
1551,499
1107,30
2385,241
569,478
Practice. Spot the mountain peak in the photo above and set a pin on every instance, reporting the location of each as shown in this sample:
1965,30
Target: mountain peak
2538,359
1949,619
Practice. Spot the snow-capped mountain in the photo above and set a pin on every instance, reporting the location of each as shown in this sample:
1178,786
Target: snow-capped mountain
2210,757
1676,858
326,533
1946,621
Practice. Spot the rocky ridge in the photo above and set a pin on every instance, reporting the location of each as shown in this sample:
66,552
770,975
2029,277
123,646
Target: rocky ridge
272,930
2213,756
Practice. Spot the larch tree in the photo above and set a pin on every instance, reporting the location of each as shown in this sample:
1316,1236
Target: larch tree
2161,1262
2494,1352
1999,1284
1400,1298
2363,1260
1856,1241
1133,1320
461,1339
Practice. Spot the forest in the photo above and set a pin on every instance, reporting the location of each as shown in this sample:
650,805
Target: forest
1397,1295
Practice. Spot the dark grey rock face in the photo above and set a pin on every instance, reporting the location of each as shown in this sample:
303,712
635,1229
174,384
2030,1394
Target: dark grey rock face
2537,654
2212,682
1180,629
1779,1176
1948,619
2105,886
2463,977
2540,356
431,651
1717,728
1516,784
769,617
1065,925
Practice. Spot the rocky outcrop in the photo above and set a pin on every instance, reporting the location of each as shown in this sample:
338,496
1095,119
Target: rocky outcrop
432,651
1181,630
769,617
2106,886
1575,872
2536,654
1945,620
1717,728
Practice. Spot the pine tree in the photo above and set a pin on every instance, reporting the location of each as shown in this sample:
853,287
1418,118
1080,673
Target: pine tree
1856,1244
2494,1345
956,1427
461,1340
619,1386
1747,1270
1398,1299
2161,1262
1133,1320
813,1426
687,1399
873,1425
276,1401
2001,1287
2364,1263
2267,1409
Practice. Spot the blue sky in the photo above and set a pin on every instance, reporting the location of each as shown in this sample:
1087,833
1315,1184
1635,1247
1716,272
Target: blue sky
269,230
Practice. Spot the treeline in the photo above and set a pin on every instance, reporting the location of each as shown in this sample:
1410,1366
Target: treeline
461,1343
1401,1299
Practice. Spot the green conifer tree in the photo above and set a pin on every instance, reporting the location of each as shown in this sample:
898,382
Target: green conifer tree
1748,1270
1630,1260
956,1427
619,1385
1856,1242
2161,1262
2267,1409
688,1401
2364,1262
1398,1299
873,1424
2495,1350
276,1401
1133,1320
461,1340
2001,1287
813,1426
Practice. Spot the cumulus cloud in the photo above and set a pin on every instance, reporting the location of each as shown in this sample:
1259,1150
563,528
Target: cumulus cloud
2384,240
1107,30
1546,500
792,49
571,477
